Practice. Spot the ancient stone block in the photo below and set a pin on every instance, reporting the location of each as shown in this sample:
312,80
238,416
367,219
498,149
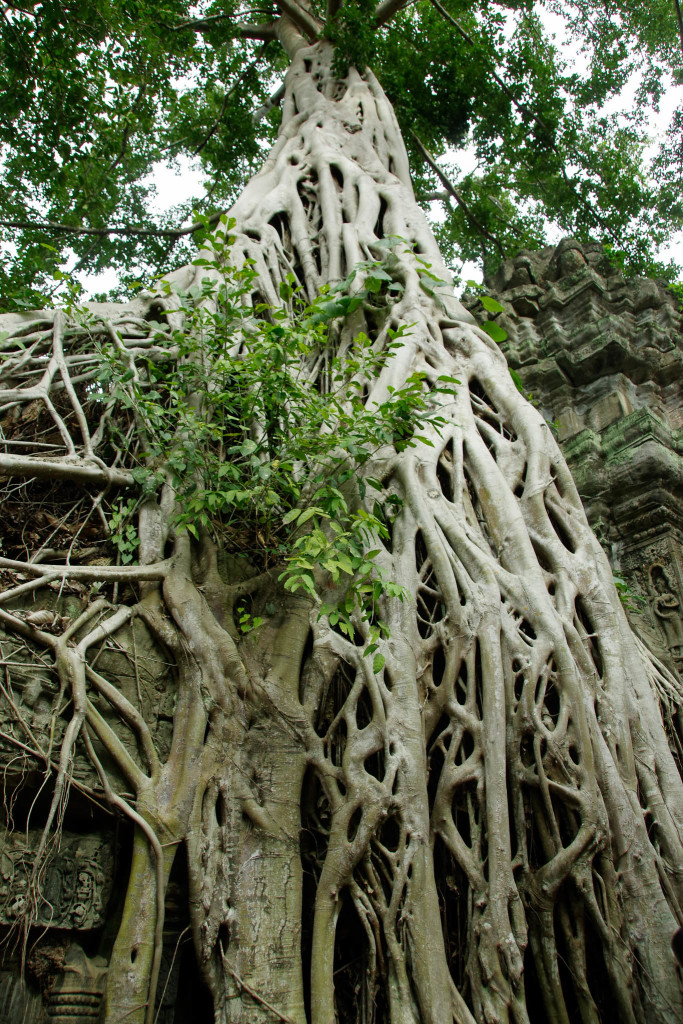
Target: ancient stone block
77,884
602,356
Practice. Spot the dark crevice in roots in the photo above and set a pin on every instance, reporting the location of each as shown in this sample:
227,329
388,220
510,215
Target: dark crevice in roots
444,473
555,519
379,226
454,897
280,222
587,633
485,409
358,998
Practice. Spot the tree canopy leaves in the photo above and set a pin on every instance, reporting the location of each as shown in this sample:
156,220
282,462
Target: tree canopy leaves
95,95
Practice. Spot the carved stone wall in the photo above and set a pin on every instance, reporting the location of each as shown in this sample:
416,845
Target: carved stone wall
602,357
71,910
77,886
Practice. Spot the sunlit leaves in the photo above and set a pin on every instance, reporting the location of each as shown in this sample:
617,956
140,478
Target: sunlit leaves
94,96
254,445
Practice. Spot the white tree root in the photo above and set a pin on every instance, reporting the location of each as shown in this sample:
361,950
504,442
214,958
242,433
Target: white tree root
490,828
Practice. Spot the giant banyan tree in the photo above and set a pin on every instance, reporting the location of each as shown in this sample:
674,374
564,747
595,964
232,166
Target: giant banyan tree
488,828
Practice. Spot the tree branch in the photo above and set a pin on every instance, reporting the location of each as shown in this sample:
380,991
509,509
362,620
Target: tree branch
82,472
29,587
25,629
385,10
122,805
680,23
199,24
457,196
130,715
265,30
331,9
305,22
274,101
114,573
48,225
115,748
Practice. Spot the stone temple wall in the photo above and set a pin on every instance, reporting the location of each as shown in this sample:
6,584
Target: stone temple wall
602,357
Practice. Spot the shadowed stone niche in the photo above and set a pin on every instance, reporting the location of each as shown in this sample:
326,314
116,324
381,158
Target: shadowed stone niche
77,995
602,357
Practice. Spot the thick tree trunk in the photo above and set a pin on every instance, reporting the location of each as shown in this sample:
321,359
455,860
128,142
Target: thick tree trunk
512,686
489,828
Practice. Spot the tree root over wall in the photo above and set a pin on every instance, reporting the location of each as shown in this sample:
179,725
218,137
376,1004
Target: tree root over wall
491,827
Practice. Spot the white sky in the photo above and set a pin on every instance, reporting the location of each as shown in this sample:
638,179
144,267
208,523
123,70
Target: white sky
175,185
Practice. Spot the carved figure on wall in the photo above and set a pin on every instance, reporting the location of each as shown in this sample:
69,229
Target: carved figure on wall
26,711
77,883
667,608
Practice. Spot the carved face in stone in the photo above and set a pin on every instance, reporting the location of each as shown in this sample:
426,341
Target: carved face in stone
570,260
659,580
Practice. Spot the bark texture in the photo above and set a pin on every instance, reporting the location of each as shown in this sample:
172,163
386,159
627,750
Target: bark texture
488,829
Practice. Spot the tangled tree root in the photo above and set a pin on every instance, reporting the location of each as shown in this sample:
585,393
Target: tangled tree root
489,827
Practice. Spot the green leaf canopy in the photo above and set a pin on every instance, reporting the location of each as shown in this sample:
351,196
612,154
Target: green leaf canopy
95,95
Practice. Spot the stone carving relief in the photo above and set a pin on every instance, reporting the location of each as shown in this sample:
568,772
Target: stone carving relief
603,357
77,884
666,606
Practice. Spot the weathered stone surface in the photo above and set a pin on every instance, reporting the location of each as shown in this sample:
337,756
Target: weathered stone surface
19,1003
602,357
77,885
77,995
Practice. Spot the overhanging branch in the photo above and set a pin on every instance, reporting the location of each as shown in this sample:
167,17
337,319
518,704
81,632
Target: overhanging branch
274,101
262,30
387,9
679,17
81,472
452,190
48,225
265,31
305,22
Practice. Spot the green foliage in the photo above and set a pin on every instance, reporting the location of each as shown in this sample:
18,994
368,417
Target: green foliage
546,152
352,32
627,596
246,622
97,95
431,78
123,532
256,443
499,335
493,306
